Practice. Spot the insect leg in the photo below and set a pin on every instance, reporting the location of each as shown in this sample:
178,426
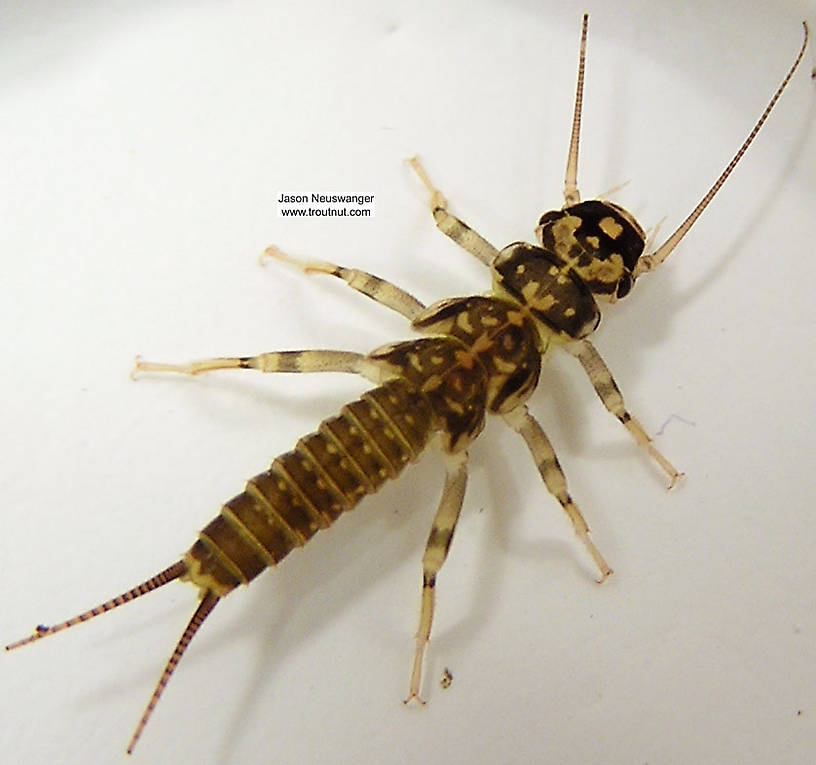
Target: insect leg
436,551
275,361
609,393
452,226
544,457
379,290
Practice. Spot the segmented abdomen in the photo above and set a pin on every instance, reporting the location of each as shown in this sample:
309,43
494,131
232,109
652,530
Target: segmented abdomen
305,490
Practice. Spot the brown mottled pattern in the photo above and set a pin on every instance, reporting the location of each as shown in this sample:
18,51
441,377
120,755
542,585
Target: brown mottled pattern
504,341
452,380
554,294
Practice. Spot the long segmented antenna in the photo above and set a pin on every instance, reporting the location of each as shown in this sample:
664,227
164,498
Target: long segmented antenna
571,195
652,261
208,603
162,578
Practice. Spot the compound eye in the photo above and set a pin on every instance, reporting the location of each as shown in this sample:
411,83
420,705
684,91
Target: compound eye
550,216
625,285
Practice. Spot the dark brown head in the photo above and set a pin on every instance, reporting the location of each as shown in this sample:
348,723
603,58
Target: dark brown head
601,241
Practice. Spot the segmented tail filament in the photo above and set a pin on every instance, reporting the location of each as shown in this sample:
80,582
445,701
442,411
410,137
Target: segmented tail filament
170,574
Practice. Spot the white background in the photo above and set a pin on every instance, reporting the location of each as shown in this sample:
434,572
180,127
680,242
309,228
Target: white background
143,149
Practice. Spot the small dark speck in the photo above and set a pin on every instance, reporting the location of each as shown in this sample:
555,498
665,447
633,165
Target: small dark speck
481,509
813,73
798,712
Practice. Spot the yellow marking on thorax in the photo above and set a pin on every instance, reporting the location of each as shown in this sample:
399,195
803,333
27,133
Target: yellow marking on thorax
482,343
454,405
466,359
516,318
532,295
413,359
431,384
463,322
505,367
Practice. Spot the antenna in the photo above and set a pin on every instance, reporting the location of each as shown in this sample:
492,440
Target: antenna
571,195
652,261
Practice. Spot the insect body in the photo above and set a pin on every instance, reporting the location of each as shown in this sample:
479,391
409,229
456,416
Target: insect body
478,355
